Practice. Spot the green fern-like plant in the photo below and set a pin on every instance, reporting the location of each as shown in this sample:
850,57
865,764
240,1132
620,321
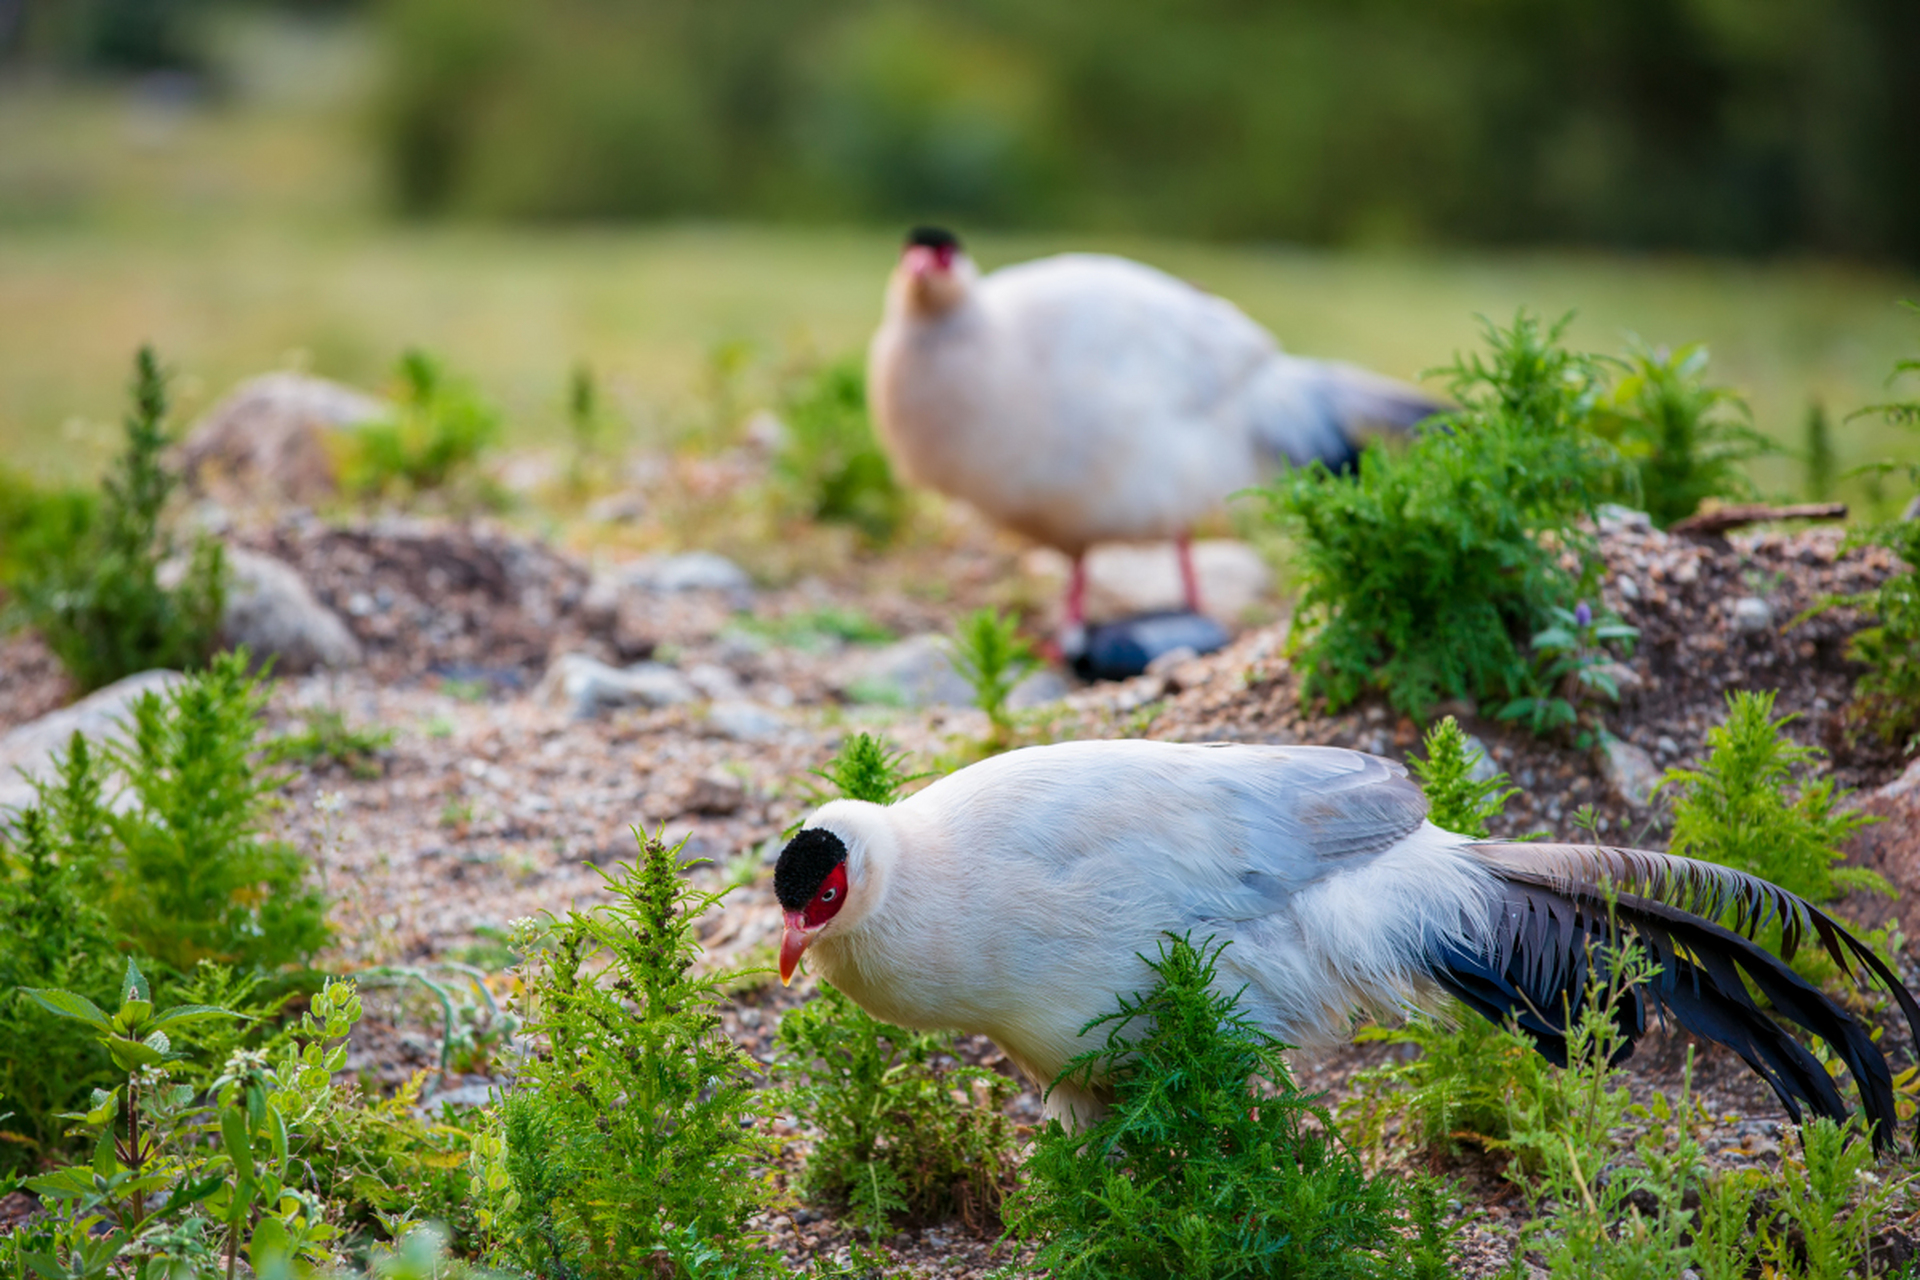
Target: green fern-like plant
1194,1172
631,1142
439,428
1424,574
100,601
1687,439
1756,805
831,458
991,655
1456,800
866,768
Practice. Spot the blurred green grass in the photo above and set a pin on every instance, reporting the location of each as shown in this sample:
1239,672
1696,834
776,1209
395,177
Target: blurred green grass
243,235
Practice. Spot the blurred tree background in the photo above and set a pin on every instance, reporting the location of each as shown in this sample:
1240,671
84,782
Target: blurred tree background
1741,126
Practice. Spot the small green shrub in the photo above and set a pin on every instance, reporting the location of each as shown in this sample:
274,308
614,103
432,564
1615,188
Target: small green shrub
186,872
1456,800
1571,671
865,768
1421,573
832,459
991,655
894,1144
99,600
1457,1089
1688,440
326,738
1755,805
1195,1172
439,429
630,1144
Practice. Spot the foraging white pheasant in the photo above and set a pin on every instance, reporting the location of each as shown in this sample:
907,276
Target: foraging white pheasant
1082,398
1016,897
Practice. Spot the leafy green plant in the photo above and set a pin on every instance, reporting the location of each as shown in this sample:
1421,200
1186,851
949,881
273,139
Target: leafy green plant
1755,804
866,768
185,871
1571,668
893,1143
832,458
1457,1089
1686,438
440,427
38,523
100,601
629,1144
1456,800
326,738
1825,1209
1419,573
1196,1172
992,656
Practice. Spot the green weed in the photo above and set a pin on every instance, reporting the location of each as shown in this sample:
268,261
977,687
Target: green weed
1197,1172
185,872
832,459
326,738
629,1143
440,427
991,655
894,1143
1456,800
1817,455
865,768
1755,804
1688,440
1418,573
99,600
1571,670
39,523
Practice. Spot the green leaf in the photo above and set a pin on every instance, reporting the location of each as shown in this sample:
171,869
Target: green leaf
239,1143
184,1013
68,1005
105,1162
131,1055
134,985
270,1247
132,1013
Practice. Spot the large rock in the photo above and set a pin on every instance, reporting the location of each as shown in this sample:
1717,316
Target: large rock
28,750
1629,772
267,440
271,612
587,687
1124,580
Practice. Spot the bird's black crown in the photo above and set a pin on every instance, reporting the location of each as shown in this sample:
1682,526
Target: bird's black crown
933,238
808,859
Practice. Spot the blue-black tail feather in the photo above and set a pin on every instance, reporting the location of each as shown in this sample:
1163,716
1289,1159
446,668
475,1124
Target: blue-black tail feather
1565,910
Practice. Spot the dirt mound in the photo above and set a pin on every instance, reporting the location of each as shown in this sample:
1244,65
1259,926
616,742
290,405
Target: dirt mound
433,597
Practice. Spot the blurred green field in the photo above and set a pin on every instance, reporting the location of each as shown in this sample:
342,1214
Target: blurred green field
240,240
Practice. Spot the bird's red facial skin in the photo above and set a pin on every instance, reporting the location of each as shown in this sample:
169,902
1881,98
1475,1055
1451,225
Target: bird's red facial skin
802,925
827,902
923,259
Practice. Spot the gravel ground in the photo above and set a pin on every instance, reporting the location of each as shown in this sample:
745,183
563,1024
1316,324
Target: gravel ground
490,804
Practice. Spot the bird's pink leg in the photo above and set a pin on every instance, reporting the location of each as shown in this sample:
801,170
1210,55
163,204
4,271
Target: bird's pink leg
1077,594
1189,580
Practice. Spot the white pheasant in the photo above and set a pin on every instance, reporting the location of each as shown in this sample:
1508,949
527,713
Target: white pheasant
1016,898
1082,398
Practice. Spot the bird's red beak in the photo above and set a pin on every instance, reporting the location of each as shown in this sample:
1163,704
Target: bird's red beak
924,260
793,943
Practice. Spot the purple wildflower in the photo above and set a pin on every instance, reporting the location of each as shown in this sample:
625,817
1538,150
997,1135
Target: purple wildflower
1582,615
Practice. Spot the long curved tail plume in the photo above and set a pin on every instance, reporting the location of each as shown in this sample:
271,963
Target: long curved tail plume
1562,906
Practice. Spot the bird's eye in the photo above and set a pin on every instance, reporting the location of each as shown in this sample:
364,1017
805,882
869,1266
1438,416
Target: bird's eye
828,895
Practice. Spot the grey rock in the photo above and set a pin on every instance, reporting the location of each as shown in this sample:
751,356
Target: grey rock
1614,518
916,672
1625,678
689,571
1037,690
267,440
745,721
271,611
1627,587
714,681
715,793
27,751
1752,615
588,687
1484,769
1629,772
1666,746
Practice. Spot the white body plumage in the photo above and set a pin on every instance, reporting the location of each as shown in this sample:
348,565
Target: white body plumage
1083,398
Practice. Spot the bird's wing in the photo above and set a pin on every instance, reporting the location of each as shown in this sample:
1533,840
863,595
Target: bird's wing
1209,833
1323,410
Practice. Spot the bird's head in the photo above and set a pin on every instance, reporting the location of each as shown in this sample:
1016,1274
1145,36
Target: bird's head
827,877
934,274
